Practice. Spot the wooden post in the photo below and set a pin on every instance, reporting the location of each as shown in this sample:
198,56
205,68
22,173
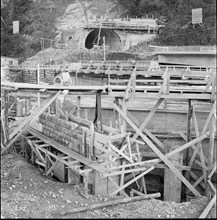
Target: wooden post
211,151
78,105
166,82
189,116
100,185
47,161
109,203
58,107
172,184
98,112
38,74
6,107
73,177
33,156
117,117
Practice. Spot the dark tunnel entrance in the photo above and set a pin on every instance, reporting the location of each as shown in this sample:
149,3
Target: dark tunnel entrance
112,40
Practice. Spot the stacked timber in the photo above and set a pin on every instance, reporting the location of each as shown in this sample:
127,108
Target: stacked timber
33,76
49,76
64,132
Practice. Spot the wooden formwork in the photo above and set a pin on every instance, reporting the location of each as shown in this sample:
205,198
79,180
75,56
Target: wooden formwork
114,153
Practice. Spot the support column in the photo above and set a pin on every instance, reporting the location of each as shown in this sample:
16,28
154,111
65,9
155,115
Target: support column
5,116
73,177
172,184
189,116
117,115
211,153
58,107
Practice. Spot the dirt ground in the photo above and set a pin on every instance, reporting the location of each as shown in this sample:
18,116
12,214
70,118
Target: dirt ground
27,193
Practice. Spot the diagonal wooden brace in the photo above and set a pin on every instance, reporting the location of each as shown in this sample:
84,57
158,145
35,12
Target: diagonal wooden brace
23,126
157,151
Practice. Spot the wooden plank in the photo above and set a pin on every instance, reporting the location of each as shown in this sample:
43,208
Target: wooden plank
127,91
133,180
172,184
120,152
125,171
87,123
137,123
141,163
199,180
188,133
147,119
213,89
212,171
51,168
116,185
212,111
177,96
210,81
36,152
129,146
199,146
59,159
123,122
196,178
67,151
193,145
190,143
23,126
109,203
143,185
208,207
5,121
157,151
3,129
166,82
212,186
122,174
211,146
137,192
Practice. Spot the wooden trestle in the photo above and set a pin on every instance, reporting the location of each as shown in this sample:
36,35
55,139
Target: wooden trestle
104,155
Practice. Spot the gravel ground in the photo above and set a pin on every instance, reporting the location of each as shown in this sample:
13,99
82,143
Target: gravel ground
27,193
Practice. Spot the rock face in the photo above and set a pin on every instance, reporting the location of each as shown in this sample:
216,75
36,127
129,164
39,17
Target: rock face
76,35
78,14
76,43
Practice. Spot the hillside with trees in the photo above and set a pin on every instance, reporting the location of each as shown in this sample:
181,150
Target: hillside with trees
38,19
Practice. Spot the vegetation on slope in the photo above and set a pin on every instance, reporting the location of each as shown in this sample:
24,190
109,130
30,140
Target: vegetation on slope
177,15
38,18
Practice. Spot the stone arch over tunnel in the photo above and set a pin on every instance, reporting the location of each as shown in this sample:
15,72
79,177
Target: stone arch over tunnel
112,40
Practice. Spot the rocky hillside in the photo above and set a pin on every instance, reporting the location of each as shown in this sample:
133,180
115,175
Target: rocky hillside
80,13
47,19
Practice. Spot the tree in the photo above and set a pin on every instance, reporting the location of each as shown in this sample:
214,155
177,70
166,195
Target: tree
37,20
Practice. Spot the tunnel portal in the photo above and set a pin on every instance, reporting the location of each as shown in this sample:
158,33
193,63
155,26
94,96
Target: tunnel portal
112,40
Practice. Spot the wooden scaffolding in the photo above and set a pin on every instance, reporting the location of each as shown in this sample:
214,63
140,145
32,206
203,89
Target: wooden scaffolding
111,157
